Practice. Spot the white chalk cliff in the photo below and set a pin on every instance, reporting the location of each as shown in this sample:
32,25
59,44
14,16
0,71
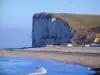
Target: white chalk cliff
47,30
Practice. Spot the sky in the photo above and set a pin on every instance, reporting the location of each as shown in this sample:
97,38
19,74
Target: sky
18,13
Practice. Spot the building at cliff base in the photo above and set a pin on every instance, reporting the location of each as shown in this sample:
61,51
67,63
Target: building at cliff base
47,30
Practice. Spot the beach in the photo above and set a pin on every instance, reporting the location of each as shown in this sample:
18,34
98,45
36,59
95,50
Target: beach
84,56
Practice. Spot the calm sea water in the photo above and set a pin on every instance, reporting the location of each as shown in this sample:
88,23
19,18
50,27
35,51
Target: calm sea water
23,66
15,37
18,38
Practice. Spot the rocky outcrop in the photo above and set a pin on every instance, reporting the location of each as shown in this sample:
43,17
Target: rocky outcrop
48,30
96,29
84,37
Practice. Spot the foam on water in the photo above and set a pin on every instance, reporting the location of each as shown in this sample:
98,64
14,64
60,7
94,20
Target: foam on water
38,70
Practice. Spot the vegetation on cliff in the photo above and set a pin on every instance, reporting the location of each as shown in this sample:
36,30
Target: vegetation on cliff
86,26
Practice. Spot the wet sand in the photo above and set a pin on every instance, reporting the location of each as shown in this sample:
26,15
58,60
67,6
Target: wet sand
85,56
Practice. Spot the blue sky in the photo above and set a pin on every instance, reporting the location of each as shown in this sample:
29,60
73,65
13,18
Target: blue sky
18,13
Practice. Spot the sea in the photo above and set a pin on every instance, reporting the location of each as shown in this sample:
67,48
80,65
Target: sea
26,66
19,38
15,37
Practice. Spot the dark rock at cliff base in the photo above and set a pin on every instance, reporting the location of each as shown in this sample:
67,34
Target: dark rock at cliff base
96,30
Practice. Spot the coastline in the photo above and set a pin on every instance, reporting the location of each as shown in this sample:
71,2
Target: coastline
84,56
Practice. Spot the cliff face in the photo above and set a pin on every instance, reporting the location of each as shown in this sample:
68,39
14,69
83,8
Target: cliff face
47,30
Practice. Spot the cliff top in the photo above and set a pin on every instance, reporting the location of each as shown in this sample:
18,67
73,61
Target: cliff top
42,15
76,21
81,22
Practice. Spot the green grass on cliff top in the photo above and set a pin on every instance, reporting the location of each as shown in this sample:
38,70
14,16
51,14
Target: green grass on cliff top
77,21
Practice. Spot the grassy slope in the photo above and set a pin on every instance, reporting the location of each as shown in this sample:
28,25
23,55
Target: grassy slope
76,20
80,22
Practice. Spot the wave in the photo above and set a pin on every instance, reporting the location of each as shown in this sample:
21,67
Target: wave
38,70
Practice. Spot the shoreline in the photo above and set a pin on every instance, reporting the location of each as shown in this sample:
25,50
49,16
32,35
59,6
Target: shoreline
84,56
